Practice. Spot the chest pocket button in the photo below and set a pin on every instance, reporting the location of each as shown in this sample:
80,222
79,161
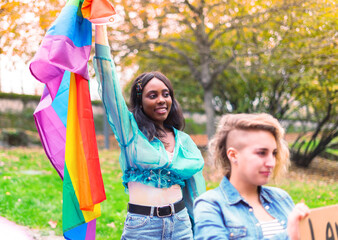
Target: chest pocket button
237,232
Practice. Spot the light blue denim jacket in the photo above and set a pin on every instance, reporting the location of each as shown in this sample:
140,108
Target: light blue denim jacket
222,213
142,160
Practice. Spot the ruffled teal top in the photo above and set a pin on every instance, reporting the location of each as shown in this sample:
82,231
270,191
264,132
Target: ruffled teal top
142,160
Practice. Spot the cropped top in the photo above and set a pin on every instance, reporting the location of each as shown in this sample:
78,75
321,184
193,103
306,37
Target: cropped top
142,160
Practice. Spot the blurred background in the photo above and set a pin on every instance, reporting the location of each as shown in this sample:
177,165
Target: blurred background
223,56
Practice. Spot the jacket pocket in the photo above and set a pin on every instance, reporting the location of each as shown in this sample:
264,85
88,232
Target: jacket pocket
236,232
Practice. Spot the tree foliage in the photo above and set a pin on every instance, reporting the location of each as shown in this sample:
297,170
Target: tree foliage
297,80
205,37
23,23
247,56
222,56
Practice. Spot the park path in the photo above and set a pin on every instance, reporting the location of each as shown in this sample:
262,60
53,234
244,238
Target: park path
12,231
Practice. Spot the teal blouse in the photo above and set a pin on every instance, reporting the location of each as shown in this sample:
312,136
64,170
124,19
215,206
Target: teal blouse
142,160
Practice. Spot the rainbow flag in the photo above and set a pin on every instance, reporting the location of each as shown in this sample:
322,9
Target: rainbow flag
64,116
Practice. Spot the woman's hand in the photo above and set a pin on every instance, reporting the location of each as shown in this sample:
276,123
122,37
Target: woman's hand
299,212
101,35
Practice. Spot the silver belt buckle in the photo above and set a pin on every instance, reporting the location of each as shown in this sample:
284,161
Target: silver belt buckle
171,212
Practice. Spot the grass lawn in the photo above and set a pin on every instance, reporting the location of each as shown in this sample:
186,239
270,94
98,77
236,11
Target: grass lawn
31,191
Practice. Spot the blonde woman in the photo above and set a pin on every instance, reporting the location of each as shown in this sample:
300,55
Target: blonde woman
250,149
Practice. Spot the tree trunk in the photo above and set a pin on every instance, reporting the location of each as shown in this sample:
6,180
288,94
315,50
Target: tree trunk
207,84
209,111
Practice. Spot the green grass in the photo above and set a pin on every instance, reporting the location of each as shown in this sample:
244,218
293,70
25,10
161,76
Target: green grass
332,151
31,192
29,198
314,194
329,150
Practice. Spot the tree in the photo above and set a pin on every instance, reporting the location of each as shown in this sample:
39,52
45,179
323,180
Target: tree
204,36
246,56
23,25
319,82
295,81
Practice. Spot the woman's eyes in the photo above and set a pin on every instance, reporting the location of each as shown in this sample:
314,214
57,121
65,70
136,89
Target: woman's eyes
153,96
261,153
264,153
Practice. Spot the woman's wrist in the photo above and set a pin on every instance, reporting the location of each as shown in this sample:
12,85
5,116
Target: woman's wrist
101,35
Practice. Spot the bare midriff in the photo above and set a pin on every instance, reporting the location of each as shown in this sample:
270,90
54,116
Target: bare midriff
142,194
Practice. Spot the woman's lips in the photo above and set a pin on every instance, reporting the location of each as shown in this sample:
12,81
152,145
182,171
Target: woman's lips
161,110
266,173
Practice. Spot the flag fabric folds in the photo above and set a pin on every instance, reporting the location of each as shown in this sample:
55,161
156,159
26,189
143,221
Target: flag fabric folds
98,12
64,116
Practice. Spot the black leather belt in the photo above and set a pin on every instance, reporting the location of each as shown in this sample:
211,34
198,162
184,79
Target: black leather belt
164,211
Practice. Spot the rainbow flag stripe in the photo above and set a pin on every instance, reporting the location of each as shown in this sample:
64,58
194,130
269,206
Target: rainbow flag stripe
82,175
64,119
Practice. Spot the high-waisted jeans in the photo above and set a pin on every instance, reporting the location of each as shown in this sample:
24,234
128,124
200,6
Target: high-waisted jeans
174,227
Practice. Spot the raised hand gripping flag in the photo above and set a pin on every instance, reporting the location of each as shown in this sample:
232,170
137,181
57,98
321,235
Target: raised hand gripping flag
64,116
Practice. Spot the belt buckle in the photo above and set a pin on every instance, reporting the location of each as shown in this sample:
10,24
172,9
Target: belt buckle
168,215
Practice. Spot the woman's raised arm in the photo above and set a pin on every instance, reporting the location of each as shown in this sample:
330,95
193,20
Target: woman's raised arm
101,35
109,88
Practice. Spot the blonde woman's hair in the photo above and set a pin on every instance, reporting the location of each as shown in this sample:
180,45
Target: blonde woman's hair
242,121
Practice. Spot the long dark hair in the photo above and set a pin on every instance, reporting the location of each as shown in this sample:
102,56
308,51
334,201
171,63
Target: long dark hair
150,128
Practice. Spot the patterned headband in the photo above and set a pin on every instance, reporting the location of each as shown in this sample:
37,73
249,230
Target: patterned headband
144,79
139,88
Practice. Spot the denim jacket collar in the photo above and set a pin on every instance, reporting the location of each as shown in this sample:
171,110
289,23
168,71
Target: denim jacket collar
232,196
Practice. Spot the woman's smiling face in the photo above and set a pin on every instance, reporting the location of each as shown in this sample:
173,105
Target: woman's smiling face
156,100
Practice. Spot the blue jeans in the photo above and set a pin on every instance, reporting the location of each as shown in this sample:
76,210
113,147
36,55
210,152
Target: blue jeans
175,227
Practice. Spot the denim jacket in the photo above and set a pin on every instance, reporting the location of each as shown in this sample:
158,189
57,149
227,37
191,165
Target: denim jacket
142,160
222,213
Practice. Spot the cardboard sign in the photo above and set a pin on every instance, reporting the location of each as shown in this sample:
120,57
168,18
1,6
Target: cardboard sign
321,224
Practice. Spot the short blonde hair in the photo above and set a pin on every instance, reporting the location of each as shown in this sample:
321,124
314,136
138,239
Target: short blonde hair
253,121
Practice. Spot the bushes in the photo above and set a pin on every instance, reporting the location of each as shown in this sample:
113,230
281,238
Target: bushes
23,120
18,137
14,137
192,127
